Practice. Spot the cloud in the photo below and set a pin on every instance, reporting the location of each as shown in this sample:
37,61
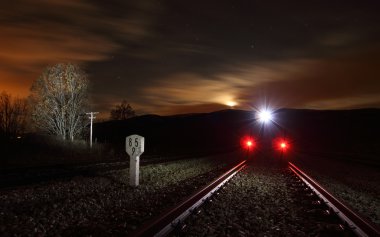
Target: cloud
339,39
346,80
188,90
192,108
174,93
342,81
358,101
33,45
39,33
167,56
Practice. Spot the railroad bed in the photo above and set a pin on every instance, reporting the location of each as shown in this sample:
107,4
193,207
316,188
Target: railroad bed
264,199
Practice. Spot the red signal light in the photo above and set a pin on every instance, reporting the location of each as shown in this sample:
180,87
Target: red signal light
248,143
283,145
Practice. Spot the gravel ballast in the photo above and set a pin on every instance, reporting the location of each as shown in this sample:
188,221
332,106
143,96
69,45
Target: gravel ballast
260,201
356,184
103,204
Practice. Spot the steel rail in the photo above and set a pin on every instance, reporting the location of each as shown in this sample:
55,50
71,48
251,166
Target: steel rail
358,224
166,222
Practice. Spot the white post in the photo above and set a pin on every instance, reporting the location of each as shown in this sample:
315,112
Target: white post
92,117
134,167
134,145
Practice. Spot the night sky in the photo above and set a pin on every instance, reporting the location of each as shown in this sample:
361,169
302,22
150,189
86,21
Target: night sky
170,57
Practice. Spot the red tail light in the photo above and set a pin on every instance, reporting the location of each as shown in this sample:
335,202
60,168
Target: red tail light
281,144
248,143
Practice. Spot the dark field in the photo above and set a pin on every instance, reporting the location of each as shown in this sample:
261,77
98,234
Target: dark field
103,204
257,202
340,149
353,133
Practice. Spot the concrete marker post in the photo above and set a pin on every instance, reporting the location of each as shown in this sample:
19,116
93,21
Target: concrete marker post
135,147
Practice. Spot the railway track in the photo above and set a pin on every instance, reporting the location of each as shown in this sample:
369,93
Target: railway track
345,221
352,220
169,220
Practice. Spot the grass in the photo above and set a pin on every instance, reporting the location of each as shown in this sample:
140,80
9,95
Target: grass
103,204
161,175
42,150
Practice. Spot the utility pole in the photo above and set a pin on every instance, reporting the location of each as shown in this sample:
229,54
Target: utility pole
92,117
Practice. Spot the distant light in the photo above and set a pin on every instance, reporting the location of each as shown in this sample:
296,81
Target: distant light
248,143
265,116
283,145
231,103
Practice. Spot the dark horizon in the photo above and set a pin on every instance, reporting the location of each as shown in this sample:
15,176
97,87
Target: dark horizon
346,131
107,119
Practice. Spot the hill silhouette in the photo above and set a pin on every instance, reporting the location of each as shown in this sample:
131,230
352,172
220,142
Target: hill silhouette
342,131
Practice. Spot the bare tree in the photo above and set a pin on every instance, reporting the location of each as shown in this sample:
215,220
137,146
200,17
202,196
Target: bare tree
122,111
59,98
13,113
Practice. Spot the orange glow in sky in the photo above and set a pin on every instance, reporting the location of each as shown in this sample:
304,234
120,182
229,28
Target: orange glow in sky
185,63
231,103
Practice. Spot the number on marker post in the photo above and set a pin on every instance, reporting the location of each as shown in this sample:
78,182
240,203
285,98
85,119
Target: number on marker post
135,145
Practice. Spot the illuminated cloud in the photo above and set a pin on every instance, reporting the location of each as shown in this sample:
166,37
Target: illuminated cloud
343,81
196,56
39,33
174,93
190,90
